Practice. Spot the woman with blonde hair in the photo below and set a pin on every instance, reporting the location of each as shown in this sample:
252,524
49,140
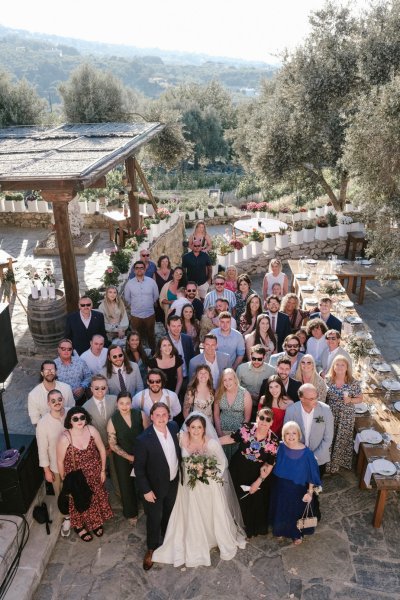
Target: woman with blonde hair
307,373
232,406
343,393
290,305
115,315
275,275
231,278
200,393
200,235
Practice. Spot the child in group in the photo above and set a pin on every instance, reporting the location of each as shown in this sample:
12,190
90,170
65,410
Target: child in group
301,334
231,278
206,322
179,303
277,290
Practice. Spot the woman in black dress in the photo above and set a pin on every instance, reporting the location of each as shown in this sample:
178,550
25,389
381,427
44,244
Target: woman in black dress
168,360
257,447
161,277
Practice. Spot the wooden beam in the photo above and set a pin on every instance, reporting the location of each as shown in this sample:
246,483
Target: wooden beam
66,250
67,185
100,183
145,184
132,194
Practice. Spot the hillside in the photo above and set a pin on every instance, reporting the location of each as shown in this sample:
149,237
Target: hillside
46,61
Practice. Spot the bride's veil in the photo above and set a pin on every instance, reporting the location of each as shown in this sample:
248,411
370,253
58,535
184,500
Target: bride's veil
228,488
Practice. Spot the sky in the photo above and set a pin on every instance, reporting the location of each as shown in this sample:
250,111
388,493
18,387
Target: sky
248,29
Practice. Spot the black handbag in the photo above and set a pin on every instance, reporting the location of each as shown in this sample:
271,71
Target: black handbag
41,515
76,486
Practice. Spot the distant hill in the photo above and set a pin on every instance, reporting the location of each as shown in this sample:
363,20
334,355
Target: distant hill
47,60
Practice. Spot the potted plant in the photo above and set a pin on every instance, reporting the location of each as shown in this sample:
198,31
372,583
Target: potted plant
224,250
269,243
319,211
247,252
344,224
256,239
121,259
296,215
210,210
282,238
321,230
111,276
328,208
297,234
333,227
200,213
92,206
220,210
348,206
237,245
311,213
303,214
309,232
191,215
230,210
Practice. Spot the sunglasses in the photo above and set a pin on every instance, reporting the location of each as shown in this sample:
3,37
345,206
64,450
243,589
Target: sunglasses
86,304
293,347
77,419
144,255
220,283
190,291
56,400
139,268
256,358
267,419
116,356
154,381
103,387
332,338
65,349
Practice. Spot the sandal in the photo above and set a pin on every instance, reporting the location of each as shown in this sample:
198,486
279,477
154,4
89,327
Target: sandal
98,532
65,527
83,534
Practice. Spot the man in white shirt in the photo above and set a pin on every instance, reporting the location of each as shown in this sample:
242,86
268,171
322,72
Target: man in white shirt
38,397
96,356
157,457
156,392
334,349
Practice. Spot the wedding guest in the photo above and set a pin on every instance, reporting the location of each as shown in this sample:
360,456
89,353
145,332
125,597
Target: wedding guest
123,428
280,323
201,236
96,356
343,393
141,293
252,374
229,340
215,360
82,324
302,335
161,277
178,304
80,447
290,305
258,446
248,319
121,374
275,398
136,353
72,370
149,266
232,407
307,373
295,475
242,294
198,268
231,278
220,291
334,349
190,325
38,397
324,313
167,359
262,335
291,350
316,343
156,392
199,396
169,292
191,296
115,316
273,276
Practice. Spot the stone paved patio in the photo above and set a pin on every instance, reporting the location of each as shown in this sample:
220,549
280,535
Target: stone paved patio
346,558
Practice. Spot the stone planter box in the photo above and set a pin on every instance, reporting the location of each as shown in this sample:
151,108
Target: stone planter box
297,237
210,212
9,206
269,244
19,206
320,211
328,209
282,241
343,229
2,204
32,206
321,233
200,214
256,248
247,252
42,206
333,232
155,229
220,212
308,235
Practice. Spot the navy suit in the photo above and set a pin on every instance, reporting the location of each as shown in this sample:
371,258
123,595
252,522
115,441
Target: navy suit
188,349
153,474
282,329
331,323
80,335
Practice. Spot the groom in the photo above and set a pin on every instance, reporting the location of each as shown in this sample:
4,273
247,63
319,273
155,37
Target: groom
157,458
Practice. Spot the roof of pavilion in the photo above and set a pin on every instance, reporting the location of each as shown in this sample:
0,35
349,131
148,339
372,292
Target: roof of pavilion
68,157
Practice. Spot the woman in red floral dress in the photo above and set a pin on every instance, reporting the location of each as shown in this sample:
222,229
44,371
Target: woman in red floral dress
258,446
81,444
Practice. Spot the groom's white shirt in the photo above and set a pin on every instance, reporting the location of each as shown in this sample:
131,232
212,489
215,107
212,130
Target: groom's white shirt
168,446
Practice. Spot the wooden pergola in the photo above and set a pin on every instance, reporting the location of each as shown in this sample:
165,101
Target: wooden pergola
62,161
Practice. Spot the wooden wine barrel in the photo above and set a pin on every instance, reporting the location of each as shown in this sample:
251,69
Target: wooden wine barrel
46,320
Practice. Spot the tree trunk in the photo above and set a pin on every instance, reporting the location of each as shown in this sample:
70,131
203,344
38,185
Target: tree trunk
317,174
344,181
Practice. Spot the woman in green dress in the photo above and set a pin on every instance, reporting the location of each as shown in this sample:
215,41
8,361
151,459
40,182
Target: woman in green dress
232,407
122,429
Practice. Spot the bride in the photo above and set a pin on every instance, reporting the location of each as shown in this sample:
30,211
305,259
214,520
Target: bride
206,515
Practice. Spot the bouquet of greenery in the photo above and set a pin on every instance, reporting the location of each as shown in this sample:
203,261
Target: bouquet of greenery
203,468
359,347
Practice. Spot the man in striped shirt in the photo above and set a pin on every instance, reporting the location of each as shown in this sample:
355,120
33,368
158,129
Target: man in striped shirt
220,291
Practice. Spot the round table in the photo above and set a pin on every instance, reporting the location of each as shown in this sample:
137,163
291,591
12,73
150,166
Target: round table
262,225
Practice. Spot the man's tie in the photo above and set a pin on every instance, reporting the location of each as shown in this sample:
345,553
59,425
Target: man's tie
102,410
273,324
121,381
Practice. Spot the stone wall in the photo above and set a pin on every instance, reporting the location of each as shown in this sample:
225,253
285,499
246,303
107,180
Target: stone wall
170,243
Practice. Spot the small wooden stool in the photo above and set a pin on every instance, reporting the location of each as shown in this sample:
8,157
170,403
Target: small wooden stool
355,238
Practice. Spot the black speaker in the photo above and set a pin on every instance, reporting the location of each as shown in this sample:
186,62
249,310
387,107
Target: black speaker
20,483
8,354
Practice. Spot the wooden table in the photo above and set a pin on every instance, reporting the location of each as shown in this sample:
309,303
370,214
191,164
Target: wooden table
6,262
117,218
384,420
353,271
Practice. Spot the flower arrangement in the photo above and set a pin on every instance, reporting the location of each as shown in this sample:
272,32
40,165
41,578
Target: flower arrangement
331,288
256,207
302,209
343,220
321,222
298,226
131,244
163,213
111,276
319,419
49,277
256,236
33,275
225,248
359,347
236,244
202,468
309,225
140,234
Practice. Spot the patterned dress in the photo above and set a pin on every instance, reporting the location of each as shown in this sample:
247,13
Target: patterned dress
232,416
241,303
194,403
343,415
99,510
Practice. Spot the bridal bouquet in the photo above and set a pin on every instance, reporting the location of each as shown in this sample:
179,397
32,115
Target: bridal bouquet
200,467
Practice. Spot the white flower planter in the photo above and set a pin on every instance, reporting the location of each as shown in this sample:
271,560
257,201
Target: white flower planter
83,207
343,230
333,232
52,291
91,207
2,204
200,214
223,259
231,210
220,212
296,217
9,206
210,212
356,226
348,207
311,213
256,248
319,211
282,241
308,235
42,206
32,206
19,206
192,215
155,230
304,216
297,237
149,209
247,252
321,233
268,244
238,255
328,209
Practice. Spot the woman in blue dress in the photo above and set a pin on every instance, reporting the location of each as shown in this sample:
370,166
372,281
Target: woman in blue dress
295,475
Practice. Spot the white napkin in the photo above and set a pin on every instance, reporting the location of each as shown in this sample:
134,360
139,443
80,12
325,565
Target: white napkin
368,474
357,443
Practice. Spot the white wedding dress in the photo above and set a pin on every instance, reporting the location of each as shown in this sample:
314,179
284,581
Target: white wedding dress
200,520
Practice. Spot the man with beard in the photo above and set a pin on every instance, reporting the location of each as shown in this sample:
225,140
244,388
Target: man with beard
291,347
291,385
38,397
280,323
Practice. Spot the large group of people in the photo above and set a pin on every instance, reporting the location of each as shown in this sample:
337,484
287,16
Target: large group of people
222,428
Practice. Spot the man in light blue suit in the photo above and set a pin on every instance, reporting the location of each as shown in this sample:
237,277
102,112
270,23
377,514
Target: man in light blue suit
315,420
217,361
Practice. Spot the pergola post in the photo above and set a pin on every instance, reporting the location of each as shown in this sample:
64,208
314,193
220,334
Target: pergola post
60,202
132,194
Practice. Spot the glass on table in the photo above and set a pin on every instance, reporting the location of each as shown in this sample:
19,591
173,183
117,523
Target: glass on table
358,260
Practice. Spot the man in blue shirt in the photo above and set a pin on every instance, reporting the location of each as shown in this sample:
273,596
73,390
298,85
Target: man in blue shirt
150,266
219,292
141,293
229,340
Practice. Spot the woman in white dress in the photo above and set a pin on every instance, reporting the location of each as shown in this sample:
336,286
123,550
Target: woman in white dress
275,276
202,517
